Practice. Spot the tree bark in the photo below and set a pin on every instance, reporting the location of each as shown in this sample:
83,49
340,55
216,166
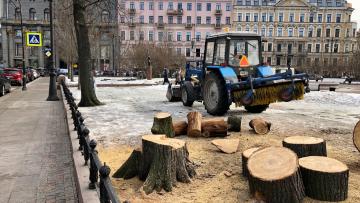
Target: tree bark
274,176
245,157
194,124
180,127
260,126
131,167
324,178
214,127
88,96
356,136
163,125
306,146
234,123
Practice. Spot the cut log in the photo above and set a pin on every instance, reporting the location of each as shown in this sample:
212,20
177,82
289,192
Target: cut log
305,146
274,176
194,124
163,125
244,159
234,123
228,146
260,126
180,127
214,127
356,136
324,178
161,163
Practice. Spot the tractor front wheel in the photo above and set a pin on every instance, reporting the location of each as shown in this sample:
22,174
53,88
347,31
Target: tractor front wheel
256,109
187,94
215,97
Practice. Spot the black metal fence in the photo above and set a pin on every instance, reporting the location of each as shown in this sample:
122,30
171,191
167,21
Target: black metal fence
87,147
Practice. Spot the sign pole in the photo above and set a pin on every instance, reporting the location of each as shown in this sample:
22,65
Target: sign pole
52,86
23,50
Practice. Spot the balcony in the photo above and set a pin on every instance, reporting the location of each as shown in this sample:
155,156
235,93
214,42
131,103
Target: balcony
188,25
218,12
131,24
178,12
160,25
217,26
132,11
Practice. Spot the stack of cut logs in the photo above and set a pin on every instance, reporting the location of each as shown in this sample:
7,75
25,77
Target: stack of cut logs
300,166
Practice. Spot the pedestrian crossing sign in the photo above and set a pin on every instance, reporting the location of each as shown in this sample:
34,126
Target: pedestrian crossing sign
33,39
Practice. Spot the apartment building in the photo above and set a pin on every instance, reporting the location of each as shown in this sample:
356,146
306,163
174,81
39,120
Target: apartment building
305,33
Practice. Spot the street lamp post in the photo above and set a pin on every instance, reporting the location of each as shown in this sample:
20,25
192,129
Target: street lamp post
52,86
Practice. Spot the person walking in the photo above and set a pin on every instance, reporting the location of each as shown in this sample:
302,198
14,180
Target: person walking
166,76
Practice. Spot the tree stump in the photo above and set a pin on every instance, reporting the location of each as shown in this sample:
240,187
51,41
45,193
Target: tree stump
305,146
180,127
245,157
194,124
234,123
274,176
356,136
161,163
260,126
163,125
324,178
214,127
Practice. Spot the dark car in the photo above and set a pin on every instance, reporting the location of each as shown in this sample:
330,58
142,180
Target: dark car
14,75
29,74
5,86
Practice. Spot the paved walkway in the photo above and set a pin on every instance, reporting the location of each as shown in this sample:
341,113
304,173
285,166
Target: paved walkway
35,158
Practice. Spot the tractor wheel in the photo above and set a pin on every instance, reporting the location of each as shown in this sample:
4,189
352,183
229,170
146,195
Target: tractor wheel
215,97
256,109
187,94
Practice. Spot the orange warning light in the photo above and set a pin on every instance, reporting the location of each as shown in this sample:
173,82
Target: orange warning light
244,61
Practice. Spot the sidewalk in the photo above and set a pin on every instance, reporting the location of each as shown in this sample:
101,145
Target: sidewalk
35,159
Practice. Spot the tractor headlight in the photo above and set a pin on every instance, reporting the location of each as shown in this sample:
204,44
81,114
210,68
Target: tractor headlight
244,73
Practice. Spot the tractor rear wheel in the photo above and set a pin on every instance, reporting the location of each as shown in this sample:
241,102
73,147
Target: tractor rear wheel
257,109
215,97
187,94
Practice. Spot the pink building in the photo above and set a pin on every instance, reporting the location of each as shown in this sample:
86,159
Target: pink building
183,24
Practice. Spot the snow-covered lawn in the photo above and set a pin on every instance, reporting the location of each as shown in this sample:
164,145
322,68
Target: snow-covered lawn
119,81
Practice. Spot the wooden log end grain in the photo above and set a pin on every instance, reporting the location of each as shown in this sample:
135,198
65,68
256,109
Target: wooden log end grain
306,146
271,170
324,178
260,126
356,136
244,159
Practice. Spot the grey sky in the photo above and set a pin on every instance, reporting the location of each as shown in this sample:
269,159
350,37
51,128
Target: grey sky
356,13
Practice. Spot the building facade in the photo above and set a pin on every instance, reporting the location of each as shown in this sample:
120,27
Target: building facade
304,33
183,25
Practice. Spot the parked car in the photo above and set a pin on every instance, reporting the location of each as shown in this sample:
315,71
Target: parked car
62,71
35,73
41,71
5,85
14,75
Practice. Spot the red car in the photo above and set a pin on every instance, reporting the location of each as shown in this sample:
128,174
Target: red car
14,75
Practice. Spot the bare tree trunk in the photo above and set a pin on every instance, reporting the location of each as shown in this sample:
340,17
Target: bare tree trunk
88,96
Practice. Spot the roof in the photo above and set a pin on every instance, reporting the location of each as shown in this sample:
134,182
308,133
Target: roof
234,34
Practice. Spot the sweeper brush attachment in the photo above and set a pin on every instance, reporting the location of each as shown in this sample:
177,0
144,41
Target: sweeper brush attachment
269,94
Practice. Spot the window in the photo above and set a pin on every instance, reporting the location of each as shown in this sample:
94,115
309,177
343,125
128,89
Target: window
170,19
220,52
268,60
160,36
46,14
171,6
161,6
142,5
17,14
151,5
300,48
263,17
279,32
170,36
239,2
142,21
317,47
198,52
269,47
228,7
151,19
188,52
256,2
218,20
291,32
247,18
178,51
228,22
256,29
310,33
132,35
209,52
18,49
309,48
218,7
179,20
122,35
160,19
271,17
179,6
188,19
318,32
302,18
141,35
237,48
311,18
281,17
291,17
198,6
132,5
328,32
151,36
198,36
122,19
335,61
320,16
279,48
317,61
256,17
105,16
208,20
271,30
208,7
301,32
188,36
189,6
240,17
328,18
327,48
198,20
338,18
32,13
278,61
178,36
248,3
337,33
338,3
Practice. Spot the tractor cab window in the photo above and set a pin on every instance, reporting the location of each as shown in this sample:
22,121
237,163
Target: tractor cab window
209,52
220,52
240,48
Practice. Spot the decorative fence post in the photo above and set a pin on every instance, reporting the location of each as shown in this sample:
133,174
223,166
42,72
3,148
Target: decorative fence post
93,169
104,173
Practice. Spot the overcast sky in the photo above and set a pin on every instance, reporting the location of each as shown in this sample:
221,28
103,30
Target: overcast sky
356,13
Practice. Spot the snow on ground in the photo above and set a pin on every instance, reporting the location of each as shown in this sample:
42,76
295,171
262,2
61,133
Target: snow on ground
118,81
128,111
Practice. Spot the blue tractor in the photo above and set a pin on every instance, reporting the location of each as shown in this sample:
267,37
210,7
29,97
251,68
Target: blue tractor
232,72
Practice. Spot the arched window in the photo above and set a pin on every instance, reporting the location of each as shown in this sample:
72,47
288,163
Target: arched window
32,13
46,14
105,16
17,13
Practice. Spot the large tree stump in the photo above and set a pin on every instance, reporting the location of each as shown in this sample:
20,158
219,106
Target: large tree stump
244,159
234,123
324,178
274,176
180,127
162,162
163,125
260,126
194,124
214,127
305,146
356,136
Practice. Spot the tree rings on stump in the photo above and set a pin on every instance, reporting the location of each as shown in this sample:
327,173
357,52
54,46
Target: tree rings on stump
274,175
356,136
306,146
244,157
260,126
163,124
194,124
324,178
